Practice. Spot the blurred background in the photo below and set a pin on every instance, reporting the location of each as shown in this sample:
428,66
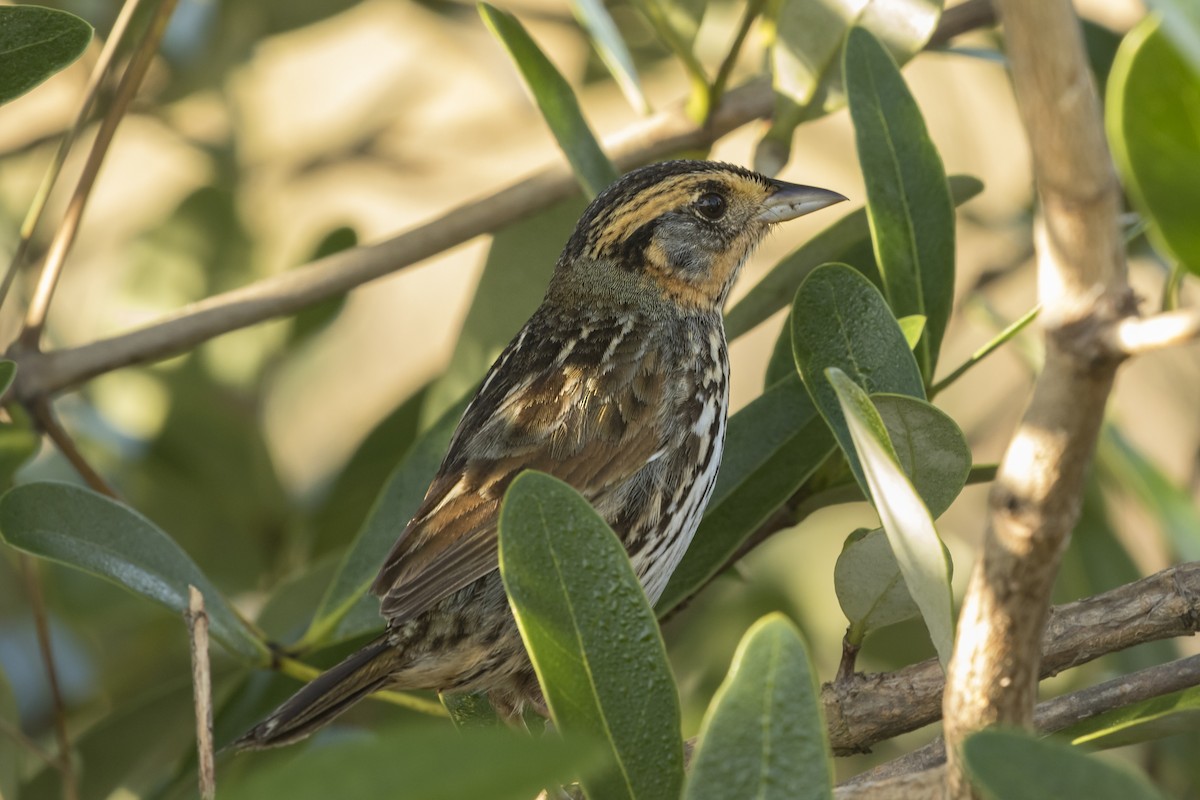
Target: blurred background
269,132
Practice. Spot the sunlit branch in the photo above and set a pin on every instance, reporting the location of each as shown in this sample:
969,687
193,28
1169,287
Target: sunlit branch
102,70
1143,334
196,618
64,236
662,135
1083,291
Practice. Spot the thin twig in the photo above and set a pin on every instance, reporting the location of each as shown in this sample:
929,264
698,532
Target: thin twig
197,621
101,71
1174,282
64,237
664,134
751,13
44,415
18,736
37,602
1137,335
979,355
962,18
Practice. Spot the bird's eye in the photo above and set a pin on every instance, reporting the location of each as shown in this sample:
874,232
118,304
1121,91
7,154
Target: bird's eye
711,205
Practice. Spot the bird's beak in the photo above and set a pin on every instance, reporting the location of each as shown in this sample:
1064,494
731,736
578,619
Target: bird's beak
791,200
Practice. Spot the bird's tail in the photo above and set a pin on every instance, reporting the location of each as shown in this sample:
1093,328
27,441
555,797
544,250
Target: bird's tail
328,695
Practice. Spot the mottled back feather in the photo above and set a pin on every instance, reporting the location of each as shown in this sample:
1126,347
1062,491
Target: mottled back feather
602,434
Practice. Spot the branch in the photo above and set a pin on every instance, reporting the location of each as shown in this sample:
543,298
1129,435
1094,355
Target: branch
104,65
927,784
1146,684
1083,291
1062,712
871,708
1137,335
962,18
865,709
42,374
197,621
37,602
44,415
665,134
64,237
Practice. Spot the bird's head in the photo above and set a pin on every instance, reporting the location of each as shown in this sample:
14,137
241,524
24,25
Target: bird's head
684,227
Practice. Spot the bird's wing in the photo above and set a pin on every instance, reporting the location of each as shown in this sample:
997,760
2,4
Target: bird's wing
544,405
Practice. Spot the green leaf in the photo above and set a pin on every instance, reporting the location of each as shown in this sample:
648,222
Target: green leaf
908,200
1156,718
912,327
1095,561
598,23
8,371
469,710
840,320
19,442
132,747
676,23
930,447
317,317
1153,94
422,762
290,607
781,363
35,43
556,100
682,17
401,495
223,502
591,636
932,451
1171,506
845,241
992,346
772,447
90,532
806,58
1101,44
10,753
1013,765
869,586
519,265
1181,20
763,735
345,506
908,524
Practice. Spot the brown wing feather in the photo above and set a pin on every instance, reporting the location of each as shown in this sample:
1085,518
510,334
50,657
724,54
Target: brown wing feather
535,410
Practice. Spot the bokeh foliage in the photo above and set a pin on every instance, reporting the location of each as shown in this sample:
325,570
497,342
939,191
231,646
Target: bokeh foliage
845,416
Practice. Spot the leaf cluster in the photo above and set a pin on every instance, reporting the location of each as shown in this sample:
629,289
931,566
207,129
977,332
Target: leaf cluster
846,415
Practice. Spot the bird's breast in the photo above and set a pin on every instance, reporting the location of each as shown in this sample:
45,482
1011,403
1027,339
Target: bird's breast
662,508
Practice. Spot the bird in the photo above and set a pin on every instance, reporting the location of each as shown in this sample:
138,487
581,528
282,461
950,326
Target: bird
618,385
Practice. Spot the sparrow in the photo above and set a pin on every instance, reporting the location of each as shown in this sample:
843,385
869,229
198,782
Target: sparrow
619,386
